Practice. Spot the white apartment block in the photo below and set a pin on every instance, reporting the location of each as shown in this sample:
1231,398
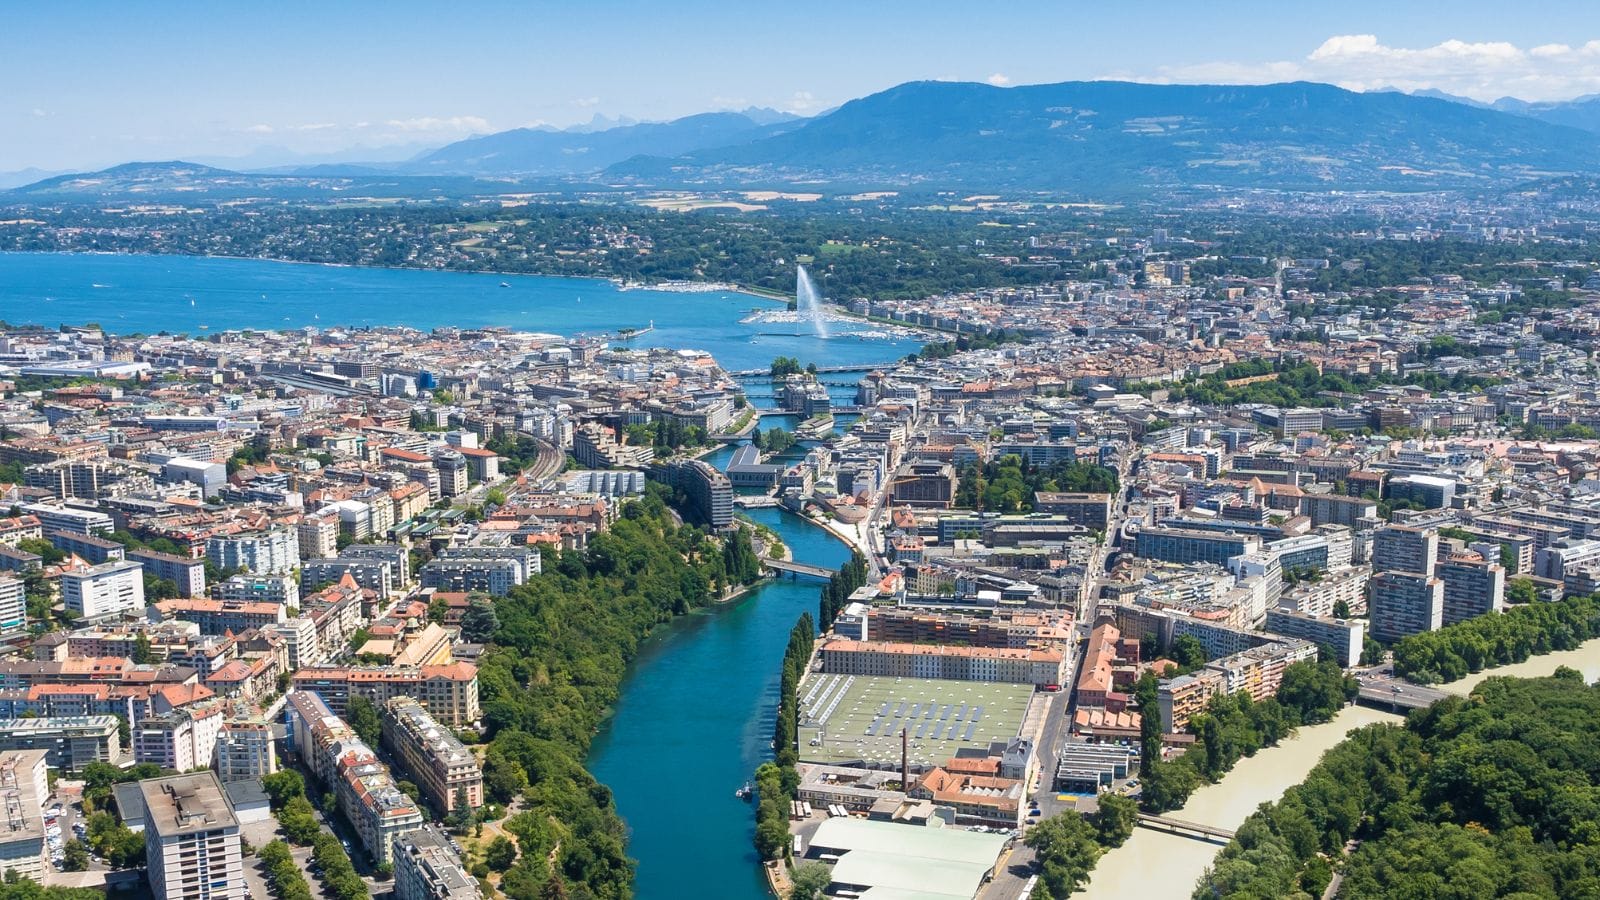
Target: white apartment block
107,589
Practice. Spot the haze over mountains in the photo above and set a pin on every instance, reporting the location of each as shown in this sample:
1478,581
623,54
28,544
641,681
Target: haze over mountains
1087,138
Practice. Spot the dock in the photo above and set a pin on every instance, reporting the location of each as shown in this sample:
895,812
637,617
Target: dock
1186,829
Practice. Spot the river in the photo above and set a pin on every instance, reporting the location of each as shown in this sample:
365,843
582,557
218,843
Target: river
1154,864
693,722
1585,659
180,294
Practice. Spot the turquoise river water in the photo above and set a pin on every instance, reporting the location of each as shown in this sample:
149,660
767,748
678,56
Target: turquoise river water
695,719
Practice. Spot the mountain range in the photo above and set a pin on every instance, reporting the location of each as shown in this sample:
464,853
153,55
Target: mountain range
1084,138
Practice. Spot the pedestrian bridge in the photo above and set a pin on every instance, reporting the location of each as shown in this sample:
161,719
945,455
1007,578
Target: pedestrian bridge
795,568
1186,829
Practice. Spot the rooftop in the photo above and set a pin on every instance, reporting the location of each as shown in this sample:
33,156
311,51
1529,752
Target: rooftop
186,804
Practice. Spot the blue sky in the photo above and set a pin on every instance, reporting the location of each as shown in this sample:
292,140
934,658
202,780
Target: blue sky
86,84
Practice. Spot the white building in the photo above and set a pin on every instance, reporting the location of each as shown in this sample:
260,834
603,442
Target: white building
192,844
272,552
24,787
13,605
105,590
245,751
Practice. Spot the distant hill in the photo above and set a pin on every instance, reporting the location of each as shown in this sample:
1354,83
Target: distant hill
540,151
1584,112
177,181
1100,137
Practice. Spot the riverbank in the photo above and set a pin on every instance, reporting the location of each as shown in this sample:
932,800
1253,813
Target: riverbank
1585,658
1157,864
698,701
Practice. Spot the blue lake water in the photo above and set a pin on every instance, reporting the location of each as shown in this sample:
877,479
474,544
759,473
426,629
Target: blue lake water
694,721
126,293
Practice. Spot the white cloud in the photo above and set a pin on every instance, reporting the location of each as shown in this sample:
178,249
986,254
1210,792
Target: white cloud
1485,70
436,125
39,113
260,129
586,102
999,80
803,103
317,126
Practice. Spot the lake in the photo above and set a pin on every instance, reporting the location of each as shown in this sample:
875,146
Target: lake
127,293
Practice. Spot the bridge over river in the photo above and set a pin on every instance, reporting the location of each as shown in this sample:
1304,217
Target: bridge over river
798,568
1187,829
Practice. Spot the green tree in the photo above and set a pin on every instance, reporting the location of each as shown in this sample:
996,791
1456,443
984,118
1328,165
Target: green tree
1521,590
364,719
1066,848
75,856
810,880
500,854
1115,819
480,622
1188,652
141,649
282,786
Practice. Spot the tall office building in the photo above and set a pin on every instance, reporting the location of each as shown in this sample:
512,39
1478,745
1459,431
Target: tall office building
192,843
1405,603
1400,548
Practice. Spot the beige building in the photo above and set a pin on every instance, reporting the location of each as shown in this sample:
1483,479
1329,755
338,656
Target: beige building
449,692
1012,665
445,770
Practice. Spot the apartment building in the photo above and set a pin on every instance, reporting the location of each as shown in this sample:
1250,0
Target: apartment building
1405,603
222,616
450,692
193,848
1345,636
1473,586
436,760
188,574
365,790
108,589
492,570
245,751
1181,545
70,742
1257,671
426,867
24,787
1400,548
13,605
275,551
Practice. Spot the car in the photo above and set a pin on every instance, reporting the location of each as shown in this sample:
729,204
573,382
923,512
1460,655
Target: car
1052,688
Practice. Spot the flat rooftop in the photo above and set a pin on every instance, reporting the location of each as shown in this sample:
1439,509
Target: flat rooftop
183,804
859,717
897,860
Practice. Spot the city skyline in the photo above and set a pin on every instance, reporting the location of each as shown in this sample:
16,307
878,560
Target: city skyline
360,83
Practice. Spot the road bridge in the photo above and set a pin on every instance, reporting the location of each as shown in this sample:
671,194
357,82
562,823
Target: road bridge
795,568
1397,695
